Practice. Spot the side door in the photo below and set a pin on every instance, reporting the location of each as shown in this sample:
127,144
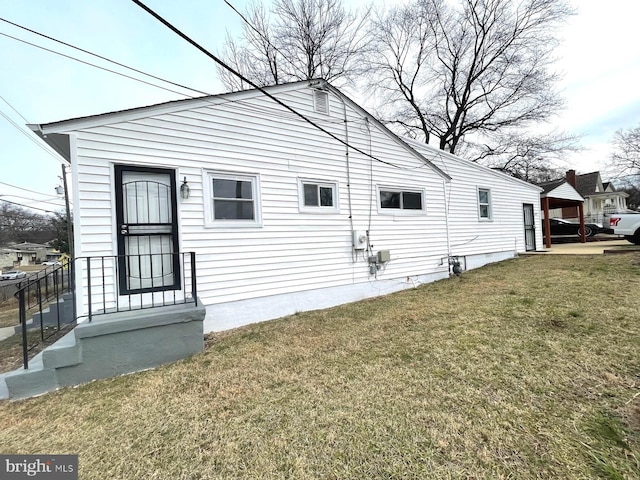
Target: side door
529,227
147,229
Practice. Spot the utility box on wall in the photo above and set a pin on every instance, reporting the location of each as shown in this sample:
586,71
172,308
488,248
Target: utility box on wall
359,240
384,256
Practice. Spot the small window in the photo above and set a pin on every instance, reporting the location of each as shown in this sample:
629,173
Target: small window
318,196
392,199
233,200
321,101
484,203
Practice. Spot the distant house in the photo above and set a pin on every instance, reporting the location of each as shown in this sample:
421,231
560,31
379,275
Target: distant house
23,254
599,198
285,210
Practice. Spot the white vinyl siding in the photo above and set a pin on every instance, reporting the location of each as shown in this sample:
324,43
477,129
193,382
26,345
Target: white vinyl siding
288,249
469,234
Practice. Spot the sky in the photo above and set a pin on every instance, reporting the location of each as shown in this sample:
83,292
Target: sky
599,60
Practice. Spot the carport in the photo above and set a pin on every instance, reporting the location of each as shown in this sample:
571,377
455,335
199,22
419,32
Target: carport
560,194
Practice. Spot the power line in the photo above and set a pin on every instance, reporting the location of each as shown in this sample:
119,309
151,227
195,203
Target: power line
22,188
48,200
245,20
26,206
94,65
29,136
101,57
252,84
13,108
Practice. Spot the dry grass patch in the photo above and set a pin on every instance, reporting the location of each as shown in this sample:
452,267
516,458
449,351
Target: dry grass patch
9,315
524,369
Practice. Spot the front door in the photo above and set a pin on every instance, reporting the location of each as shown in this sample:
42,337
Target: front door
147,229
529,227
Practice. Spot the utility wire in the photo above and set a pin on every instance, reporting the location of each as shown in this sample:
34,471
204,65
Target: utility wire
48,200
13,108
22,188
29,136
252,84
101,57
26,206
220,62
94,65
245,20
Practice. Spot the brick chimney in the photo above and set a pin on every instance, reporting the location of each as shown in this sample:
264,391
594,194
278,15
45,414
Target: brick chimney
571,177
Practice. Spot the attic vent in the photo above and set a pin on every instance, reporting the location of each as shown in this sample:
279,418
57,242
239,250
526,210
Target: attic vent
321,101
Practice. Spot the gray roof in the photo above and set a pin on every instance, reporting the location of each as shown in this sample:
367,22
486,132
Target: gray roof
587,183
548,186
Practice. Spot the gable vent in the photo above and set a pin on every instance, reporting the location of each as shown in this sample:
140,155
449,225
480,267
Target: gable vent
321,101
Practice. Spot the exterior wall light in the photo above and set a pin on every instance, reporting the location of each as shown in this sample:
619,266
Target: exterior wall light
184,189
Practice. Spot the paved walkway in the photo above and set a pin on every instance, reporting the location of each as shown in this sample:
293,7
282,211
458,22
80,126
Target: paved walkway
6,332
589,248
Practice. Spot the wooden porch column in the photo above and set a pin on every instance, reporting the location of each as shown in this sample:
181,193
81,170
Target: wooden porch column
583,237
547,223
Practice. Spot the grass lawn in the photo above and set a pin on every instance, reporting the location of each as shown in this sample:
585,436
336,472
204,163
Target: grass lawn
525,369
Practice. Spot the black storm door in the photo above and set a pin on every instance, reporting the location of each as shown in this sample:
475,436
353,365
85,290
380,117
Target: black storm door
529,227
147,229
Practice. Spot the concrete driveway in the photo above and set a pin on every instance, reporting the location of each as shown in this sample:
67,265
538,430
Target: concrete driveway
590,248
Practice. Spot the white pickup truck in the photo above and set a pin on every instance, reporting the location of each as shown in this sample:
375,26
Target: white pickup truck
627,224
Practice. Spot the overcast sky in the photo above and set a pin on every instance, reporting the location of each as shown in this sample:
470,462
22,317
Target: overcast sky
599,58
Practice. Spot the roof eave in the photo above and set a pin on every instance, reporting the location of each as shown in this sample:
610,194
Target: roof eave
57,141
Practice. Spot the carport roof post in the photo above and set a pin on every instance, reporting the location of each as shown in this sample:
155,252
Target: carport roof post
560,194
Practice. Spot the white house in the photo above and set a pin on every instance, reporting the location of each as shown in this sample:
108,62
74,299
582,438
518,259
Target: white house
287,209
490,215
600,198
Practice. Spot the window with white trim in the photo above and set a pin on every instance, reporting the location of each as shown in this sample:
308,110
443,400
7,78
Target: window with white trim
318,196
484,203
232,199
401,199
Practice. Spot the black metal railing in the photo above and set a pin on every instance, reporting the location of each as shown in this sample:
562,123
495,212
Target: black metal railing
120,283
46,298
47,302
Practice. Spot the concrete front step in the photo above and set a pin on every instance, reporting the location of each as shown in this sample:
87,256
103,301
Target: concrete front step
4,391
111,345
64,353
60,311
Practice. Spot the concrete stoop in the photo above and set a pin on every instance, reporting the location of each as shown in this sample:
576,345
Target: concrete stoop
111,345
61,311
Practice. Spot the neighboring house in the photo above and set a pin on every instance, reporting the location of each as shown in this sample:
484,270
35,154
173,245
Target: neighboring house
23,254
282,217
600,198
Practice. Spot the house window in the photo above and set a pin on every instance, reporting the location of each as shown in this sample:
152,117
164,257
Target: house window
401,199
233,200
484,203
318,196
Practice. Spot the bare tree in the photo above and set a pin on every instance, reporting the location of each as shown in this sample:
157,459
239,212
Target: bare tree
533,158
255,56
19,225
625,159
477,72
297,40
